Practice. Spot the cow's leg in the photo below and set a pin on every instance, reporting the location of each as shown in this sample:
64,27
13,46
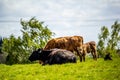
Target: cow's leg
83,57
41,62
79,53
80,56
94,55
84,54
44,63
94,52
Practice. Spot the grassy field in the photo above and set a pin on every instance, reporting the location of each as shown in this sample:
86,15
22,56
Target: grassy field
89,70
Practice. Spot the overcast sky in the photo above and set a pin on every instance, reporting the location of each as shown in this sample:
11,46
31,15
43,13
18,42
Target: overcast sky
64,17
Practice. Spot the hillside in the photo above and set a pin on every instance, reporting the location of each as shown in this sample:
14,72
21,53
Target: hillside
89,70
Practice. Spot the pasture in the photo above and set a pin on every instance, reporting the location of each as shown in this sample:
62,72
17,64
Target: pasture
89,70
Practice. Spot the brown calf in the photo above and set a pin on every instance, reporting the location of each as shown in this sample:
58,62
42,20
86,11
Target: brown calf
90,47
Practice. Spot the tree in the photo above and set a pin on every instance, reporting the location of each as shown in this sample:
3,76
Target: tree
115,36
12,46
34,36
109,41
103,38
0,44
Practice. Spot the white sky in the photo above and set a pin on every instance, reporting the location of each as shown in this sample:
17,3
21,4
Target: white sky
64,17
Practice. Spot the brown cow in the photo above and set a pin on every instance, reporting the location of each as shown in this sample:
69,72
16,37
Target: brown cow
90,47
71,43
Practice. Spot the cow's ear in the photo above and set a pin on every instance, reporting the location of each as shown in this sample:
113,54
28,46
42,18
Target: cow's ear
39,50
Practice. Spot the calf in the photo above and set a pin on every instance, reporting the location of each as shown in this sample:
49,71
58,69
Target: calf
90,47
53,56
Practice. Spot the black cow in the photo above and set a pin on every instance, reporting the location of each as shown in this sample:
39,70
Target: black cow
107,57
53,56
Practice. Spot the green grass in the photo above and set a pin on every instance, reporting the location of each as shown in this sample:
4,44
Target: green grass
89,70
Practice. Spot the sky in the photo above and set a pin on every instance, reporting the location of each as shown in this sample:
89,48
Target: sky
63,17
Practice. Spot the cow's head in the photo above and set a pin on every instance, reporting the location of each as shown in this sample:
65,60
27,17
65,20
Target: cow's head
80,49
35,55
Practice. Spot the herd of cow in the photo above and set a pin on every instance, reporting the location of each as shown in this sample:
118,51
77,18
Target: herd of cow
62,50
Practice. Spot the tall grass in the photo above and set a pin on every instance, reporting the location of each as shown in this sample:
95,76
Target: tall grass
89,70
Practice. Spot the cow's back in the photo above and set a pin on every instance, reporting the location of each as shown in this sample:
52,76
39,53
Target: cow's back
69,43
59,56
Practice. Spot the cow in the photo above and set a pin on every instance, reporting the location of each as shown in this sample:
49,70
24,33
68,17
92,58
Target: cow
70,43
107,57
53,56
89,47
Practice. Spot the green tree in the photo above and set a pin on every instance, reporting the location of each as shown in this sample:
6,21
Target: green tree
109,41
0,45
12,46
115,35
34,36
103,38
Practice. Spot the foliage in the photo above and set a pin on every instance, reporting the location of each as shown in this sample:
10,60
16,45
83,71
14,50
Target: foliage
35,35
89,70
0,45
115,35
109,41
103,38
13,46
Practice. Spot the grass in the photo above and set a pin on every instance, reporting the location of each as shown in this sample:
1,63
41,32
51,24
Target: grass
89,70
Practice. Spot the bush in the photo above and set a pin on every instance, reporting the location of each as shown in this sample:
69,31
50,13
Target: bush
35,35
